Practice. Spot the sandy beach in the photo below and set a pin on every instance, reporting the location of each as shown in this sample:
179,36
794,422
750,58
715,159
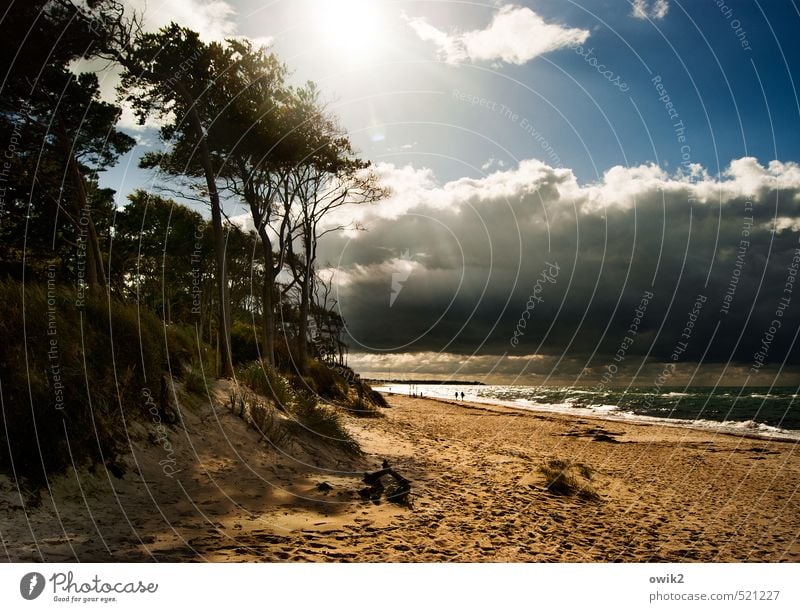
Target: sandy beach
658,494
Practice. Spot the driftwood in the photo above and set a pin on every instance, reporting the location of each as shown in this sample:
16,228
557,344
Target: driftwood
398,491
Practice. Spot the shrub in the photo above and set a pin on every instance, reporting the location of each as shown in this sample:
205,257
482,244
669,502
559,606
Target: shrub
299,402
70,376
265,419
264,380
244,342
325,382
194,379
183,350
323,421
361,408
565,477
376,398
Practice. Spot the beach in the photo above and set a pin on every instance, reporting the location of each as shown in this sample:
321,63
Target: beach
654,493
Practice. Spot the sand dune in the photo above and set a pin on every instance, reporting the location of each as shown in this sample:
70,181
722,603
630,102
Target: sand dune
663,494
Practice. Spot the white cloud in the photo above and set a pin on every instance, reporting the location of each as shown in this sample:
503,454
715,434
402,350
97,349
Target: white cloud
259,42
516,35
244,221
213,19
781,224
657,9
440,364
493,163
620,188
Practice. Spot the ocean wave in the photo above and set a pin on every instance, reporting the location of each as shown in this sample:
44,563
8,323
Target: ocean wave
527,400
604,408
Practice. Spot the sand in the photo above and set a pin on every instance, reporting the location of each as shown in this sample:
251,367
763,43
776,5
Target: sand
662,494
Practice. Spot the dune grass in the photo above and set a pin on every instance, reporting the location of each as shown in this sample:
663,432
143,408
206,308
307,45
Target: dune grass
265,380
359,407
322,421
93,365
307,416
569,478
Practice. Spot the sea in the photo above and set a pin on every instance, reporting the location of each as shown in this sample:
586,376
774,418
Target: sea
767,413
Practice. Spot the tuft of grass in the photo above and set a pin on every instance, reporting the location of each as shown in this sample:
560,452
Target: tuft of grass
265,380
325,381
566,477
375,397
359,407
265,419
323,421
262,417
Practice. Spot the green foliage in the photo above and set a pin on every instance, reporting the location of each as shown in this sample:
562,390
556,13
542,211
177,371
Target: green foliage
228,116
194,379
323,421
161,253
71,377
58,136
265,380
266,420
325,382
244,342
186,349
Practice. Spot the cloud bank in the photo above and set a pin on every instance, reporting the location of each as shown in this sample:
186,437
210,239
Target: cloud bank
479,246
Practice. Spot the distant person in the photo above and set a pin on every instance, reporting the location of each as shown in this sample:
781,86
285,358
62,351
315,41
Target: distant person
456,394
462,396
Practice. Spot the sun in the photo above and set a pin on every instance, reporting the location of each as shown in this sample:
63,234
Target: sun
352,28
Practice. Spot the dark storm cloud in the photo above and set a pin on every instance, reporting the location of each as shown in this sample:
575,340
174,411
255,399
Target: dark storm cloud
453,268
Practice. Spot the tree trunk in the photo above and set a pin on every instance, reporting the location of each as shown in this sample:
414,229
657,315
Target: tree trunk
302,333
94,247
268,318
226,367
305,298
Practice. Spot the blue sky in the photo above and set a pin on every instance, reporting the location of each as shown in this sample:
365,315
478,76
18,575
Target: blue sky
714,81
734,99
637,145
